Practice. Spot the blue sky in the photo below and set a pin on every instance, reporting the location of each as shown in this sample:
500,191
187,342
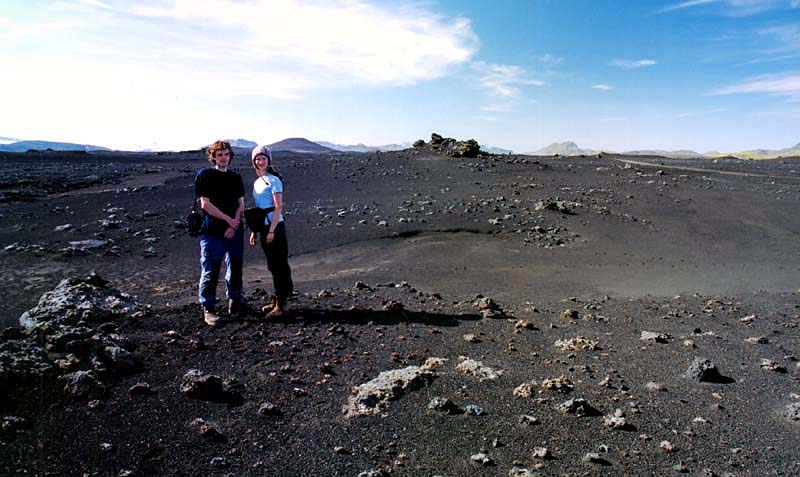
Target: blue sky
698,74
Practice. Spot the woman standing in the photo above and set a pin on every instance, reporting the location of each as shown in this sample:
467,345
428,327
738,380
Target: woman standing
268,194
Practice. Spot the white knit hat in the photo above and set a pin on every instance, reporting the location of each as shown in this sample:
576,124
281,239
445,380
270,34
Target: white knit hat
261,150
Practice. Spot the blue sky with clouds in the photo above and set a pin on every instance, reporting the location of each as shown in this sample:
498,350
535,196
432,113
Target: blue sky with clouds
696,74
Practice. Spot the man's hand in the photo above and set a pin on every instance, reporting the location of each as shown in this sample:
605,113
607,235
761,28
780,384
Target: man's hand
234,223
230,232
252,240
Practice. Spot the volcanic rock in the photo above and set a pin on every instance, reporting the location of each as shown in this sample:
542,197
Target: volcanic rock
83,384
475,368
75,300
370,398
579,407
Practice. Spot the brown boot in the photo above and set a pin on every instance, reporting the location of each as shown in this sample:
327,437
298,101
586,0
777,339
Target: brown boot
279,310
270,306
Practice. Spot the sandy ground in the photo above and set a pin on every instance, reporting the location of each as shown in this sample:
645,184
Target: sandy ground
686,248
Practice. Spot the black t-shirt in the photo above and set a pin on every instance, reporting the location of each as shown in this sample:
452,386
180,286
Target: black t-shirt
223,189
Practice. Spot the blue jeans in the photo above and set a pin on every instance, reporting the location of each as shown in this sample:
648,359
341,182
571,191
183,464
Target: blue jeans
212,251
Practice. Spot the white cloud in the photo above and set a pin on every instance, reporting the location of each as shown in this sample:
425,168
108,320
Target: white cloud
168,71
603,87
503,80
691,3
632,64
787,84
345,38
95,3
736,8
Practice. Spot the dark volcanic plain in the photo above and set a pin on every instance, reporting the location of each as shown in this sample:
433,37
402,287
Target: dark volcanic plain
391,254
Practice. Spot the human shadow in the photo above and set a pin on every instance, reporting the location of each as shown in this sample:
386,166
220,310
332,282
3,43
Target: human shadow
370,316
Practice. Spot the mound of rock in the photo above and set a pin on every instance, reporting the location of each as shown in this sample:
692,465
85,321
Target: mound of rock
450,146
79,299
71,333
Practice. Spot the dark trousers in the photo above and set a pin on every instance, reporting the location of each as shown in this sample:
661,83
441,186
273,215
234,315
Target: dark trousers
277,253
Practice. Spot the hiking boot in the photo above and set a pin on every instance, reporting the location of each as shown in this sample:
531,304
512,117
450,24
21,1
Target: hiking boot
210,317
278,311
234,306
270,306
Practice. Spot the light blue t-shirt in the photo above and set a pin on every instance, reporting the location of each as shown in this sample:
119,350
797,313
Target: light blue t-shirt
263,188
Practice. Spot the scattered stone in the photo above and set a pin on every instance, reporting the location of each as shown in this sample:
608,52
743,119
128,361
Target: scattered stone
666,446
268,409
525,390
747,319
475,368
470,338
771,365
489,308
569,314
560,384
63,228
392,305
653,336
793,411
527,420
207,430
474,410
703,370
757,340
579,407
370,398
522,472
83,384
594,458
617,421
482,459
654,387
542,453
140,389
208,387
341,450
522,324
444,406
577,343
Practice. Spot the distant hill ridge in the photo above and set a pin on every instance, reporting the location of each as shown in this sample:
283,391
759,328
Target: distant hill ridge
300,144
22,146
567,148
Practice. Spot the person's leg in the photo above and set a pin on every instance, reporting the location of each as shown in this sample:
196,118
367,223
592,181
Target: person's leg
279,260
234,260
211,254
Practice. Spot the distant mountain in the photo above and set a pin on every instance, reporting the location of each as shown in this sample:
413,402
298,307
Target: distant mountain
364,148
568,148
7,140
302,145
22,146
243,143
682,154
793,151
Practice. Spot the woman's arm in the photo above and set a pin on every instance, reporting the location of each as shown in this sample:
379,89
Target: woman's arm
277,198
